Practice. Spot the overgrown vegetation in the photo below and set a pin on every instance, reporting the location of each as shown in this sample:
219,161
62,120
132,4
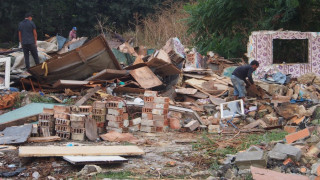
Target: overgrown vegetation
223,26
216,147
168,21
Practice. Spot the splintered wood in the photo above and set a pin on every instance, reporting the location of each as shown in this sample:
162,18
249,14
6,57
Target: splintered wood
145,77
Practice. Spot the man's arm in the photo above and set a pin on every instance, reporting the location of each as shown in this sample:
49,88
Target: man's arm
35,36
20,39
250,76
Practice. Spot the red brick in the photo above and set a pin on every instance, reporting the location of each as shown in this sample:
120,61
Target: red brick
290,129
114,118
148,99
99,104
160,111
100,124
161,100
48,111
61,115
146,110
85,109
61,109
99,118
297,135
175,123
125,116
157,117
114,104
115,124
100,111
116,112
160,105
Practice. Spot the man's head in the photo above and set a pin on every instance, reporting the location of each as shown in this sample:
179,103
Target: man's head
28,16
254,64
74,28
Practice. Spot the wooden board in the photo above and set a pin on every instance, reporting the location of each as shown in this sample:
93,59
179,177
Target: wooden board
44,139
87,96
108,74
82,160
16,134
91,129
56,151
186,90
61,84
145,77
128,90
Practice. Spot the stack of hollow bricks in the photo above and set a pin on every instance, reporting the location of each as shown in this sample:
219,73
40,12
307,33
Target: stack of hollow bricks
99,112
62,121
77,117
46,122
117,117
154,112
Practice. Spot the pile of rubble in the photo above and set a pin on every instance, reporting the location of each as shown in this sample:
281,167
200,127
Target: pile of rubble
172,89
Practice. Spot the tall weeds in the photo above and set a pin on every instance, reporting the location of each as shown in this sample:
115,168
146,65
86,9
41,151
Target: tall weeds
154,30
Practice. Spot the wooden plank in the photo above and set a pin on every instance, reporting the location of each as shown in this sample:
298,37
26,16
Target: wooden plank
16,134
108,74
186,90
82,160
128,90
87,96
216,101
145,77
44,139
197,76
61,84
91,129
56,151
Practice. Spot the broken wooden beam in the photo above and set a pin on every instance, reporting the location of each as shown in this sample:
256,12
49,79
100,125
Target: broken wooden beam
56,151
87,96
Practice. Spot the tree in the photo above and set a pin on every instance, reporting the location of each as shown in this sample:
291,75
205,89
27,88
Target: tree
223,26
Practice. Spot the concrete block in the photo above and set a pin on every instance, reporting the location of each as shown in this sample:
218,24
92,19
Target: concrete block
116,112
99,104
147,116
160,106
157,117
290,138
114,118
160,111
125,123
147,122
192,125
148,129
150,93
119,130
77,117
148,104
134,128
135,122
159,123
254,156
161,100
116,124
214,129
291,151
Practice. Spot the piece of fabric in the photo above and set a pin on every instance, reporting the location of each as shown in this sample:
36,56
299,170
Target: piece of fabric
26,28
242,72
34,52
239,86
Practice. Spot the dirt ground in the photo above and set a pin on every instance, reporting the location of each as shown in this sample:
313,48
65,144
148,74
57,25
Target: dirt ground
168,155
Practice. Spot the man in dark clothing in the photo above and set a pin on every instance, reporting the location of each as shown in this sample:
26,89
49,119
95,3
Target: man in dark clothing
239,80
28,39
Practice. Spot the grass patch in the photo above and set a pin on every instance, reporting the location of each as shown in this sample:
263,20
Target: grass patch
115,175
37,98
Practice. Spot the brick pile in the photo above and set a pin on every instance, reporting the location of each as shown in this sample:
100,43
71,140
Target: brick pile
99,114
62,121
117,117
77,118
154,113
46,122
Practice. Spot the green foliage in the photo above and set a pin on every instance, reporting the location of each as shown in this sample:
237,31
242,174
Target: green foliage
41,99
223,26
58,17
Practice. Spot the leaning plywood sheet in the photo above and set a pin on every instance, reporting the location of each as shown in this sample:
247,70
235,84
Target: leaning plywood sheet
77,64
81,160
108,74
15,134
145,77
61,84
19,116
50,151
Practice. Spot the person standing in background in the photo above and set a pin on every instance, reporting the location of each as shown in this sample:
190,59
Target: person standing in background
28,39
73,34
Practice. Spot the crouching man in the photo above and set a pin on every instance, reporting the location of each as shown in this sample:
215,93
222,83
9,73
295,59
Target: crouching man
239,80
